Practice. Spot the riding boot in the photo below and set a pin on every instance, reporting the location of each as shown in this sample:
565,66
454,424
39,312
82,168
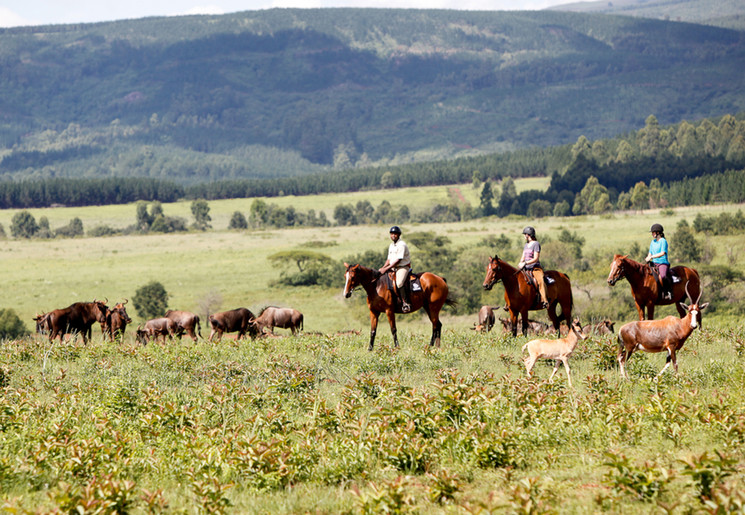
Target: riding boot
406,296
667,289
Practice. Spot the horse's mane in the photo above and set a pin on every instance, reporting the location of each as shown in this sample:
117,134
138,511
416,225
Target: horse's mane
645,270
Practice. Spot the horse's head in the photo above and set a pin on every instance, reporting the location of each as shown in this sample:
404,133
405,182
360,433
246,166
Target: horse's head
493,273
617,269
357,275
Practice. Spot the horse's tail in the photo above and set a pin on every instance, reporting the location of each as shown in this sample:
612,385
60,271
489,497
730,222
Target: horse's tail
450,301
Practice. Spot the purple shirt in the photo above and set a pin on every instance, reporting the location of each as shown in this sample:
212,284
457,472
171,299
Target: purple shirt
529,251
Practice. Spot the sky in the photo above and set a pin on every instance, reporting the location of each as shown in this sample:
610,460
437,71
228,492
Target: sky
43,12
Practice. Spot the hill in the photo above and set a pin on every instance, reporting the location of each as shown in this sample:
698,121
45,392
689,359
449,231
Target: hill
719,13
286,91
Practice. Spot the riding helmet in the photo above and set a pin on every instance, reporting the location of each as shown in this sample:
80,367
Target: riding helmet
656,228
529,230
395,230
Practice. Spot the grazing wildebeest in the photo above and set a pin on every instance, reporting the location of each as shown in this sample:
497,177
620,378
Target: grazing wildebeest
486,319
232,321
645,288
154,328
603,327
116,321
668,334
76,319
521,296
272,316
432,296
534,326
187,322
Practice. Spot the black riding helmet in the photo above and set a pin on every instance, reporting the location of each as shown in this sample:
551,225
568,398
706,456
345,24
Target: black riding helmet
529,230
656,228
395,230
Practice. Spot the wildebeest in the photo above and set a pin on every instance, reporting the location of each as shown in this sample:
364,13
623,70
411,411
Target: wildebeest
154,328
77,318
116,321
42,323
486,318
186,322
232,321
272,316
603,327
534,326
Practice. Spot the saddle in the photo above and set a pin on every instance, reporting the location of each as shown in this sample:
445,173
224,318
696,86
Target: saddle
672,276
390,283
530,278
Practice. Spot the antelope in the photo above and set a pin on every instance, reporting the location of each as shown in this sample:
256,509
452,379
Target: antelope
559,349
668,334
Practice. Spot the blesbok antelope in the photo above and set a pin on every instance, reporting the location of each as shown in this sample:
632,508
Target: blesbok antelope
668,334
559,350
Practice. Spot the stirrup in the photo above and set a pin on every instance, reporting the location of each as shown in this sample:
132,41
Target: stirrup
405,307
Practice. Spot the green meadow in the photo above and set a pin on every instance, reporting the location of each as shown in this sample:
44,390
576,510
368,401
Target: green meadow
316,423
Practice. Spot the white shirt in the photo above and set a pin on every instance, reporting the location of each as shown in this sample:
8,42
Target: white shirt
399,251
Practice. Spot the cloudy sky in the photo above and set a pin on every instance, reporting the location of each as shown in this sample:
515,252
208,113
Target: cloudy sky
41,12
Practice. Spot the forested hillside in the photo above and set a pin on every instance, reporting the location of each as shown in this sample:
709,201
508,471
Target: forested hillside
720,13
284,92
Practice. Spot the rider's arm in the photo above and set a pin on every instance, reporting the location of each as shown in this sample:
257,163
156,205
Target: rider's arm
388,265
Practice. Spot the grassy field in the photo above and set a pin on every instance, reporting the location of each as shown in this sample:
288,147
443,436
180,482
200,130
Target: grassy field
316,424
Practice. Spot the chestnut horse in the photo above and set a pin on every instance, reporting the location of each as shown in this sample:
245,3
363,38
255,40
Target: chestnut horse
432,297
521,296
645,289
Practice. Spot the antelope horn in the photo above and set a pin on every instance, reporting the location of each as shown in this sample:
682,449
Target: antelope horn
689,295
125,301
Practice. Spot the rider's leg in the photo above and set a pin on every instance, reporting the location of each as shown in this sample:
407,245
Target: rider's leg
402,280
665,280
538,274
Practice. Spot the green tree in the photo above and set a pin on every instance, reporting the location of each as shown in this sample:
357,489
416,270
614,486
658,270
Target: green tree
593,199
150,300
44,230
583,148
507,197
144,220
200,209
562,208
485,204
23,225
344,215
684,246
71,230
640,196
11,326
539,208
314,268
238,221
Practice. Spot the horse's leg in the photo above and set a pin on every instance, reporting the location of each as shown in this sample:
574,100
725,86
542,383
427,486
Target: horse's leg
513,321
392,321
639,309
554,317
434,317
373,328
524,321
650,311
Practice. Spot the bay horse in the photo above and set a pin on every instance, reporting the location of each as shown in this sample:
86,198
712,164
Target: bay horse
380,299
522,296
645,288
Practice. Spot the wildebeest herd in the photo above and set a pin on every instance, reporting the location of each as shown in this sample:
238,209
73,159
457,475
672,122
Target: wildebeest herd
521,296
78,319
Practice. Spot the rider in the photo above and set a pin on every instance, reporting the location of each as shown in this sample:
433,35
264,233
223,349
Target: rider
400,261
658,255
530,262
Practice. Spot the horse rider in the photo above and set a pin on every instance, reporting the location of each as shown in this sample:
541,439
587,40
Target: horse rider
531,263
658,256
399,260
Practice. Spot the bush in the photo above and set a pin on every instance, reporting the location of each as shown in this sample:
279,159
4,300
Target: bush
11,326
238,221
23,225
102,230
151,300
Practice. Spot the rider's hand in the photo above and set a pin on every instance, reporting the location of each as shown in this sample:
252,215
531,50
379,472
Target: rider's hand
521,265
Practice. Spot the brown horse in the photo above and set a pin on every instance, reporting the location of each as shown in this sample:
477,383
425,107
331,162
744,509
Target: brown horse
644,285
432,297
521,296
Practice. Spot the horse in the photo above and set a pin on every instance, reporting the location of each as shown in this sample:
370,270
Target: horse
646,290
522,296
432,297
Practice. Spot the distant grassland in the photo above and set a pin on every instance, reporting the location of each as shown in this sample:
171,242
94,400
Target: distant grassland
39,275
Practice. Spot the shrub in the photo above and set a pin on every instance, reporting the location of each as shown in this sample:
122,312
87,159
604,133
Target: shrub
11,326
151,300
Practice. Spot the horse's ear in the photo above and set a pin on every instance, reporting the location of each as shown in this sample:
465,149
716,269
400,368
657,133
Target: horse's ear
346,265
